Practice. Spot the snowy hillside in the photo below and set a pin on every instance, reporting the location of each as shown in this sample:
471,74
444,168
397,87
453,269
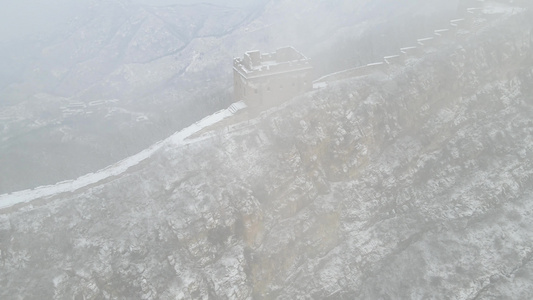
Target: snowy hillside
180,138
416,183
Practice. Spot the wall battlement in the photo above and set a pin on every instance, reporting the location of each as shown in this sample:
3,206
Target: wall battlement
475,17
255,63
270,69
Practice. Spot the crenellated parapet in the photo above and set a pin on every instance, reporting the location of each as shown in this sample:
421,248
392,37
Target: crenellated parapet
270,67
475,17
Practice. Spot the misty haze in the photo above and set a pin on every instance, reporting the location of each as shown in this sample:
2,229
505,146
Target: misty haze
266,149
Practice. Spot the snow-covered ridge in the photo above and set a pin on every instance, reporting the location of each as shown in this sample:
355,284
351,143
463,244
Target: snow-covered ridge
178,138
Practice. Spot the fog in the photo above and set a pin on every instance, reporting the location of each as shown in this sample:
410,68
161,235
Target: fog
266,149
103,80
229,3
88,83
18,19
24,17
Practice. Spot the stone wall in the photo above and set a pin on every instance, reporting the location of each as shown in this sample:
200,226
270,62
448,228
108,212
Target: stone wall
473,19
266,79
272,88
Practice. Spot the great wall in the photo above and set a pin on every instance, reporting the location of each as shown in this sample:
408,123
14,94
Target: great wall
475,19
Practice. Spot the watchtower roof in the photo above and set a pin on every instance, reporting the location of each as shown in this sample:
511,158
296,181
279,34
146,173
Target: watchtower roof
254,63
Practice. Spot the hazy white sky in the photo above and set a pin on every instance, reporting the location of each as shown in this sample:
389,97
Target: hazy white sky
219,2
22,17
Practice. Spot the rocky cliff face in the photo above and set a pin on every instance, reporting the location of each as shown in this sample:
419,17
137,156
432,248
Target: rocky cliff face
415,183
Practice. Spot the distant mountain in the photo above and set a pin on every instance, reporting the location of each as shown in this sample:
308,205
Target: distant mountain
414,182
105,86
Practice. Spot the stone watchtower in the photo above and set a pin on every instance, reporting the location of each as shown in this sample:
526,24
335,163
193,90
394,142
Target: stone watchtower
262,79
